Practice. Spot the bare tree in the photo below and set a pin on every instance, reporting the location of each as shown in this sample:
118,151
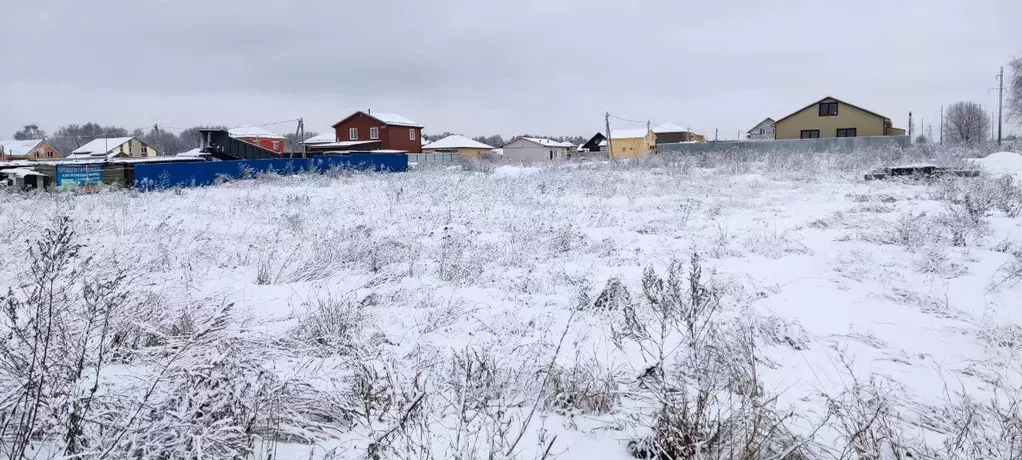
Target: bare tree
30,132
1015,90
966,123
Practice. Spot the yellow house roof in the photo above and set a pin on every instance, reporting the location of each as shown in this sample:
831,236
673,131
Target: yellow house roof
833,99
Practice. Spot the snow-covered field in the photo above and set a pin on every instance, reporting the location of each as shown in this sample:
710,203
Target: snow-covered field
510,314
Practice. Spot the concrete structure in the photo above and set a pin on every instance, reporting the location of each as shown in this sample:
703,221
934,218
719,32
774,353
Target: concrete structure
537,149
830,117
258,136
35,149
458,144
762,131
630,143
115,147
378,131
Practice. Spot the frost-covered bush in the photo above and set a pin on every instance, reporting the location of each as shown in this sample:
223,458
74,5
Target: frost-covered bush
586,387
331,321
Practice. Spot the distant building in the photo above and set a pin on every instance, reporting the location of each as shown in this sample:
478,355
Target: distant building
831,117
458,144
259,136
763,131
597,143
669,133
537,149
378,131
630,143
115,147
36,149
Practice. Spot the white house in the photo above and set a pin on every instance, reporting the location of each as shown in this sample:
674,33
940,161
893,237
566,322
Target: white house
537,149
114,147
763,131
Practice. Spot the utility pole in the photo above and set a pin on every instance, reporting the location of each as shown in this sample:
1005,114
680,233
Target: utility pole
301,135
610,142
715,134
647,137
911,127
156,138
1000,103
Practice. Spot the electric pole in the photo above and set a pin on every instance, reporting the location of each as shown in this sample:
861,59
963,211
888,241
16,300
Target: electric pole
156,138
647,137
911,127
610,143
1000,103
715,130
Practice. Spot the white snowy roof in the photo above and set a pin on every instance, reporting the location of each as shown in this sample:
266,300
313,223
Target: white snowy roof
628,133
394,119
196,152
253,131
101,146
668,128
325,138
457,141
549,142
21,172
19,148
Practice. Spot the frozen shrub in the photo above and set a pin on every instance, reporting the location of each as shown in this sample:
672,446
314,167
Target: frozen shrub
332,322
614,296
585,387
909,230
775,245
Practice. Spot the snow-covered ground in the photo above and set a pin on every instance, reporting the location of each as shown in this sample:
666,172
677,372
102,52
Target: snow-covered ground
423,314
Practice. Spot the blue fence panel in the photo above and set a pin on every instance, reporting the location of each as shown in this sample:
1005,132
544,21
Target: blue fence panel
166,175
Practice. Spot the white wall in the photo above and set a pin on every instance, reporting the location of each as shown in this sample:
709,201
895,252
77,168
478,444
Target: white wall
524,150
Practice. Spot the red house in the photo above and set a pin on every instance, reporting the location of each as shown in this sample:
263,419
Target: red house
261,137
379,131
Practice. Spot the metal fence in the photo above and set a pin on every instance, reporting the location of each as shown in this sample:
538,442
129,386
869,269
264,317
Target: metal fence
166,175
809,145
416,159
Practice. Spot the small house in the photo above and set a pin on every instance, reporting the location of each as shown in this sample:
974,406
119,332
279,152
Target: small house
831,117
458,144
259,136
36,149
669,133
597,143
629,143
378,131
537,149
762,131
114,147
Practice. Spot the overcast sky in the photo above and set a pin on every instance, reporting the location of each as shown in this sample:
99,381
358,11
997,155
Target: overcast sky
482,67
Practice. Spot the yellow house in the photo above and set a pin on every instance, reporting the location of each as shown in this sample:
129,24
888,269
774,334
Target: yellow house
630,143
831,117
115,147
458,144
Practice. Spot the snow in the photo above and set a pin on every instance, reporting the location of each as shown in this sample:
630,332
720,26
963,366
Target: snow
445,264
514,171
253,132
18,148
101,146
629,133
394,119
549,142
20,172
325,138
457,141
1001,163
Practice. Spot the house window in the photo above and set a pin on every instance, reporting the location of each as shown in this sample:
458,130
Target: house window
411,134
353,134
374,133
762,131
828,109
122,148
276,145
810,134
145,149
846,132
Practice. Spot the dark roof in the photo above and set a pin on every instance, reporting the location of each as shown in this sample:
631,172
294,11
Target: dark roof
595,140
833,99
384,119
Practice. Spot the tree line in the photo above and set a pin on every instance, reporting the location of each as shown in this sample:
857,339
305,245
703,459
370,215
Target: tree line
497,140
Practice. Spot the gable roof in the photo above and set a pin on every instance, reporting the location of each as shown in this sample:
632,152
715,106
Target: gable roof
629,133
324,138
768,120
669,128
457,141
541,142
833,99
19,148
253,131
391,119
101,146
